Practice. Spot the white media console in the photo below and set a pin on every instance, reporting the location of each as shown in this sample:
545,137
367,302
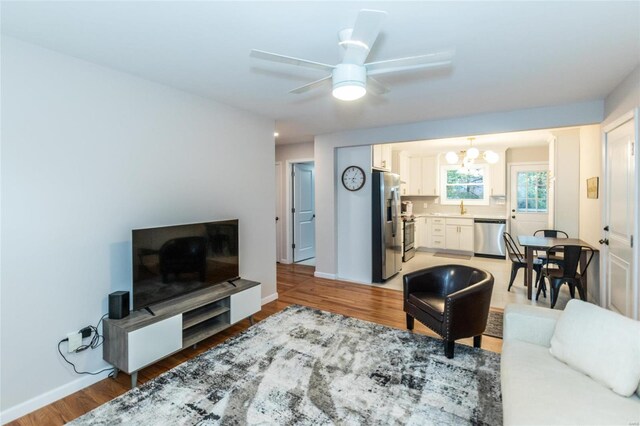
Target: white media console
141,339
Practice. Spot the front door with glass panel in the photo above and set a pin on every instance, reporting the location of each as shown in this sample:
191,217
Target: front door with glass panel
529,210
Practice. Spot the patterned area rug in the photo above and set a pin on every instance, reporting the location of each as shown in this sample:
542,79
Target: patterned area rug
309,367
494,325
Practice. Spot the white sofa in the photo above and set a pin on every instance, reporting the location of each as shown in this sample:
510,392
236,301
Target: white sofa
538,389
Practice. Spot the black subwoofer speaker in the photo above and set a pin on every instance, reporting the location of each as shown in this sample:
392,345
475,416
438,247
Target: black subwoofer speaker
118,304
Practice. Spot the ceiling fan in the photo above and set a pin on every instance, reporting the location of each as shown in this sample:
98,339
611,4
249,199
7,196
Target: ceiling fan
352,77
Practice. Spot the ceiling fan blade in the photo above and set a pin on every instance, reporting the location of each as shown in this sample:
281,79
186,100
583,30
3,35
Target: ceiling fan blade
275,57
410,63
376,87
365,32
314,84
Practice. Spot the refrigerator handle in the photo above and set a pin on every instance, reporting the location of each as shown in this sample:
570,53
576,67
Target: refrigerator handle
394,211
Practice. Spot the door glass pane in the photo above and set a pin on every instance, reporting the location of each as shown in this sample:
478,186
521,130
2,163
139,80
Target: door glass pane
532,192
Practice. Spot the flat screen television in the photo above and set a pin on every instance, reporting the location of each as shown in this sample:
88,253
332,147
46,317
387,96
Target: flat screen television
175,260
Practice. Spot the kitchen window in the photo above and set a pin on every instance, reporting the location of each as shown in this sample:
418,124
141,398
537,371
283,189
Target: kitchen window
468,185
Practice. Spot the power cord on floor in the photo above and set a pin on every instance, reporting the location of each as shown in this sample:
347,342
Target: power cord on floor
96,341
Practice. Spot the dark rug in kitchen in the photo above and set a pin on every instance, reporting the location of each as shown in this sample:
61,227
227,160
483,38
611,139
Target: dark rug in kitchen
303,366
452,256
494,325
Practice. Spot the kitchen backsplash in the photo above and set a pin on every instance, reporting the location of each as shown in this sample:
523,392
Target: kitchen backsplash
496,206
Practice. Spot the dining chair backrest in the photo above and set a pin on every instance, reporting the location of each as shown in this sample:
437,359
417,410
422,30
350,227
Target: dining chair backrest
512,248
571,260
550,233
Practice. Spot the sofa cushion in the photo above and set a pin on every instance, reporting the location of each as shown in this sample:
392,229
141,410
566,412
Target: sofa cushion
599,343
538,389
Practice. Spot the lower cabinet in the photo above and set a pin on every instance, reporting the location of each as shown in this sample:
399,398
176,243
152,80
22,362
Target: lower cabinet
459,234
141,339
148,344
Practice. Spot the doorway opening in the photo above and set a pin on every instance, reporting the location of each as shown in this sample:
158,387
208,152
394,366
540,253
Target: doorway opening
303,213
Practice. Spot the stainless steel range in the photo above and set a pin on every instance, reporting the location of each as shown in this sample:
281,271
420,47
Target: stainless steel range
408,244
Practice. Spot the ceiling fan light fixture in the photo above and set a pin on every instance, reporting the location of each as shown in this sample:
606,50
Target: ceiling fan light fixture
349,82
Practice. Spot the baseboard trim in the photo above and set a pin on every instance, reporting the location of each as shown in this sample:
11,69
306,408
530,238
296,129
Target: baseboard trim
47,398
324,275
269,298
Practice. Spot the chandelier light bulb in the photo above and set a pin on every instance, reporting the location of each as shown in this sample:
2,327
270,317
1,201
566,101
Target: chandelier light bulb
451,157
491,157
473,153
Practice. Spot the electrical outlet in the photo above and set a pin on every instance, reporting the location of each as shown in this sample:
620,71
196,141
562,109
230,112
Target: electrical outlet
425,205
75,341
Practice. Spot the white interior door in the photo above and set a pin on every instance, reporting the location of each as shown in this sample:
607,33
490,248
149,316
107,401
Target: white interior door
529,199
304,212
278,211
619,213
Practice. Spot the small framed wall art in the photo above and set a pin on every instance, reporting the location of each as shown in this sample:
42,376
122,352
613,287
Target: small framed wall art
592,187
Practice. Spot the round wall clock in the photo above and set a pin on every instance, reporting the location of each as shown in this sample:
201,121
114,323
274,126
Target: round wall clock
353,178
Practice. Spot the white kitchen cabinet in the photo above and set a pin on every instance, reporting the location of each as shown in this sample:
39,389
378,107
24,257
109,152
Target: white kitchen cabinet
423,176
414,184
437,234
382,157
430,176
498,176
403,171
419,229
459,234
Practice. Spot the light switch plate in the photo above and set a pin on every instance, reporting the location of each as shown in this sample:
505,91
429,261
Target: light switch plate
425,205
75,341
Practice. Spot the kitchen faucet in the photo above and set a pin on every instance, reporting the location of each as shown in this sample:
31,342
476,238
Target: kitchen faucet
462,209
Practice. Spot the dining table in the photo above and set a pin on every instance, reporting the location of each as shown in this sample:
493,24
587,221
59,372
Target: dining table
531,244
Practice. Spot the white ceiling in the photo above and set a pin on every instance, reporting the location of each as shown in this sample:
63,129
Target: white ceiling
509,55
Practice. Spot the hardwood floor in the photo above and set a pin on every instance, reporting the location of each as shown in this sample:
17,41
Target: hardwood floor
296,285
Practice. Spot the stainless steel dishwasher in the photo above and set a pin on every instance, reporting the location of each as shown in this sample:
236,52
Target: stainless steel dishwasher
488,241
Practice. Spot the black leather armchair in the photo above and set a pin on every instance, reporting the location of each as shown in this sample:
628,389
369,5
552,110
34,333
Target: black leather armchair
452,300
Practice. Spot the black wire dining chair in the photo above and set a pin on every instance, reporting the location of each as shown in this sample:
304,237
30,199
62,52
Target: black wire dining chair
518,260
568,273
551,257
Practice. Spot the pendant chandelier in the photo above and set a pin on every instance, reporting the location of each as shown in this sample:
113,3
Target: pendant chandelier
469,156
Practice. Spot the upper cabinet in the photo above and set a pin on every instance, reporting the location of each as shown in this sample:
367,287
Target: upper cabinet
498,176
382,157
423,176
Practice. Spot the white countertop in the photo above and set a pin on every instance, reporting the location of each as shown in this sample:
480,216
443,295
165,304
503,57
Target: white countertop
463,216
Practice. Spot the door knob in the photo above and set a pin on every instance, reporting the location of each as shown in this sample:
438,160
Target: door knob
513,217
604,241
277,218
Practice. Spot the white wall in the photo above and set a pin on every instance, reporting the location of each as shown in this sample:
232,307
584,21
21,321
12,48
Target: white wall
539,154
88,154
284,153
354,227
327,248
567,184
591,208
624,98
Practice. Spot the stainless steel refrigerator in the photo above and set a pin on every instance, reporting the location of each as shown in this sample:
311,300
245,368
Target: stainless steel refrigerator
387,226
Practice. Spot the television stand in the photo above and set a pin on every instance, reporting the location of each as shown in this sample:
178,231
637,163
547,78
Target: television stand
139,340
